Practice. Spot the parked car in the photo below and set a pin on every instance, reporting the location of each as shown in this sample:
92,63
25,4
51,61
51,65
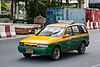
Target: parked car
55,39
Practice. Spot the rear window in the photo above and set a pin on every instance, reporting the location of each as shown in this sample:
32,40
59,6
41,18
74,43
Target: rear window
79,29
82,29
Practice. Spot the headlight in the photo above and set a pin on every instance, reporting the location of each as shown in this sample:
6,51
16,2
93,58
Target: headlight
42,46
21,44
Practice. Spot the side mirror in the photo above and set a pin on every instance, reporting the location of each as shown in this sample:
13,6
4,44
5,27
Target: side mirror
67,35
36,32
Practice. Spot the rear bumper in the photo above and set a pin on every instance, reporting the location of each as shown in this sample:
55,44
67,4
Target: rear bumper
37,51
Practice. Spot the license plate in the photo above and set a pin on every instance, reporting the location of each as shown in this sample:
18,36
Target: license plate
29,51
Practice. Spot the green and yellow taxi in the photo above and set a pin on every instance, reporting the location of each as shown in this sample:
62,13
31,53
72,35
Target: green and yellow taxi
55,39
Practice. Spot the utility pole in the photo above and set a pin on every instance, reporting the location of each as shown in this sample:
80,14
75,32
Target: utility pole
17,9
0,6
67,3
12,8
61,3
86,3
79,3
26,4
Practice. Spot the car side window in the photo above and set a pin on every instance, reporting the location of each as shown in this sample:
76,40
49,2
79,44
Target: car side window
84,28
75,30
81,30
69,31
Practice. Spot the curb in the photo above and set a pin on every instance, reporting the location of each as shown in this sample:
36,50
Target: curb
17,36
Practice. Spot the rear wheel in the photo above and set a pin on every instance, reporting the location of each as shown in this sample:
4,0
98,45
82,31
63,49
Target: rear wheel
26,55
56,53
82,48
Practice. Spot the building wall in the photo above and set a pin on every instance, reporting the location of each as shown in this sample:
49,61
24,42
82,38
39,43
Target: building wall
94,1
73,1
94,4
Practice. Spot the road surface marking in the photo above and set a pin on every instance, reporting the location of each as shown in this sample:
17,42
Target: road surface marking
98,65
96,41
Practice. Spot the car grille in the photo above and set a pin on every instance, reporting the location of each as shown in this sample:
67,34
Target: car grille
31,45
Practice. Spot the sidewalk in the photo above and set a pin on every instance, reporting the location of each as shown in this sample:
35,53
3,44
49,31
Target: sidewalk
17,36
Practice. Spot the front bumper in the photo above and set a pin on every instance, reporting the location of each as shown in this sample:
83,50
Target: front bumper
37,51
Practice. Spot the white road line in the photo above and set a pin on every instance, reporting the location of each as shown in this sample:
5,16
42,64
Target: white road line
98,65
96,40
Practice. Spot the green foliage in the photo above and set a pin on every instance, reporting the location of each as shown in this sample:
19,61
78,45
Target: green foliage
18,21
4,6
70,7
4,16
52,4
28,20
21,7
38,7
30,10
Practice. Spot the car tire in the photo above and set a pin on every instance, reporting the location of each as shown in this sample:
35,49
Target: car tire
56,53
82,48
26,55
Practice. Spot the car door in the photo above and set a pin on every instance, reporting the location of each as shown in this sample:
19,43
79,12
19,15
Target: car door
75,39
68,39
83,34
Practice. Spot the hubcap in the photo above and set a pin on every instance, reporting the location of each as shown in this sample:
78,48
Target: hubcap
56,53
83,48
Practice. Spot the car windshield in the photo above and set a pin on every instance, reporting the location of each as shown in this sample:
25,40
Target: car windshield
53,31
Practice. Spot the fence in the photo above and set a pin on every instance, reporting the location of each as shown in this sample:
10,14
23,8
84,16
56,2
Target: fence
7,30
92,25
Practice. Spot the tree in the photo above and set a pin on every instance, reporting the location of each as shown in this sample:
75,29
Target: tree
12,8
34,8
80,2
61,3
37,7
67,3
4,5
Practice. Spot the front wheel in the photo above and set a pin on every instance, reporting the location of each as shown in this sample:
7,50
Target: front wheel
56,53
26,55
82,48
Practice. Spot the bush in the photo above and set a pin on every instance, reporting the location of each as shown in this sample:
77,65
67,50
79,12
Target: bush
18,21
29,21
4,16
4,6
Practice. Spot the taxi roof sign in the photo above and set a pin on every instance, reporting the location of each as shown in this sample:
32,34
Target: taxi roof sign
66,21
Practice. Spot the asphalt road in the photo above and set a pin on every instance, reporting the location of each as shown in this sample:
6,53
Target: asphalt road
10,57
